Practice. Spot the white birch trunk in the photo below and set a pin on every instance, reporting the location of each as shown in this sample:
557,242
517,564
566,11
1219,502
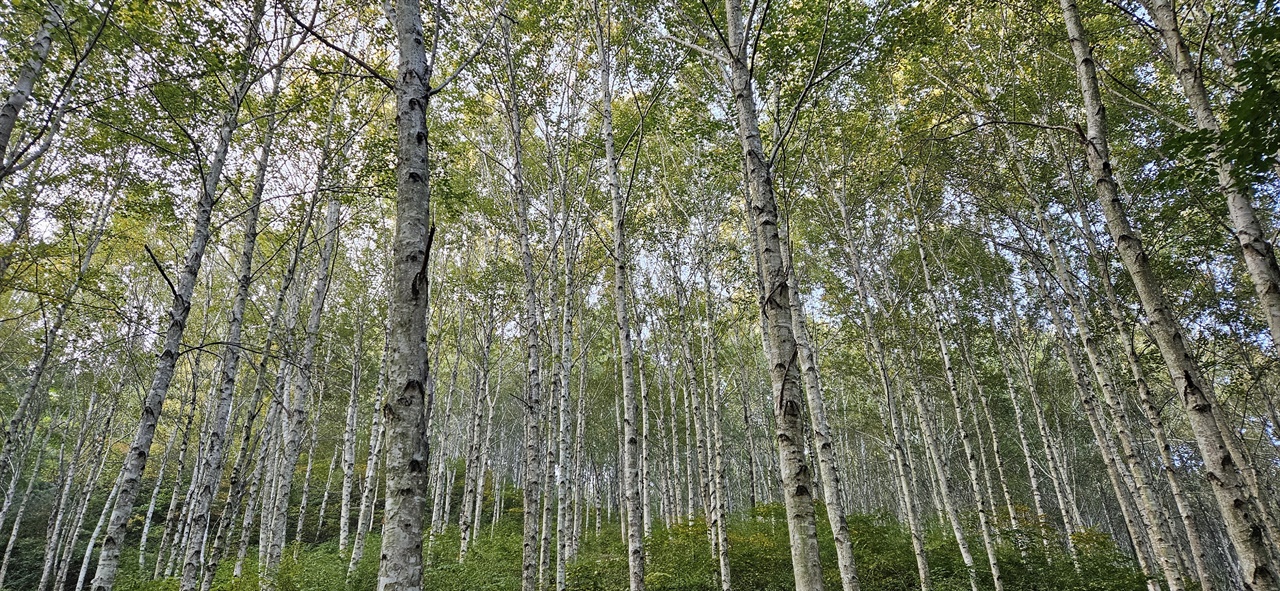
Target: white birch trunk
1223,469
295,418
406,408
1105,445
24,84
776,292
631,475
213,456
349,436
1151,512
369,490
820,429
136,460
979,497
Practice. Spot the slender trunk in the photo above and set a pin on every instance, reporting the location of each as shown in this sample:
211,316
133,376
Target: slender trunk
93,537
1057,473
1105,446
53,531
294,420
370,489
776,293
564,528
896,432
933,454
580,512
1024,444
171,515
1150,511
257,484
136,460
720,502
631,482
324,498
645,479
532,404
151,505
22,504
86,495
979,497
490,400
824,446
214,453
1150,410
25,83
311,455
349,436
1223,469
475,414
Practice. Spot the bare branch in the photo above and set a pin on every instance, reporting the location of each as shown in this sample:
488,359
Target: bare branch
706,52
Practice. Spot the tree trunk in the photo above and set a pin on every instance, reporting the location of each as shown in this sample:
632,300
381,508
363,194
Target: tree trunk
1057,473
776,294
22,503
171,515
1106,447
25,83
631,445
139,449
719,484
349,435
66,482
933,453
1149,408
1222,468
93,537
979,498
895,433
532,403
324,498
564,527
370,483
215,449
824,445
1151,512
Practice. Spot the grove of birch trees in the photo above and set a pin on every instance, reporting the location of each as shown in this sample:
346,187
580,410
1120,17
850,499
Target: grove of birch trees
855,295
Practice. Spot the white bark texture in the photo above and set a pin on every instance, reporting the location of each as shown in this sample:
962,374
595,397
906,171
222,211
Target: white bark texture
139,449
1240,511
776,294
406,407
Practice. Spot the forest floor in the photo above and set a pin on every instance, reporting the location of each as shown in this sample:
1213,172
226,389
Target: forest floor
680,559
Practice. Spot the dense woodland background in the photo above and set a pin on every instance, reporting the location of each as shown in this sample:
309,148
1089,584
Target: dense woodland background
665,294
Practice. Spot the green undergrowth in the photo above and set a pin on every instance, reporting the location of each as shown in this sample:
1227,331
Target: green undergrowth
680,559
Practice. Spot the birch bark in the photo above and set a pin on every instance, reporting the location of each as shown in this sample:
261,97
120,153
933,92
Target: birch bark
136,460
630,435
1222,468
406,408
349,436
214,453
532,453
828,469
1151,512
903,472
984,525
776,294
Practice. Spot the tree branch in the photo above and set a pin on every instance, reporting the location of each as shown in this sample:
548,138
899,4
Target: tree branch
699,49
